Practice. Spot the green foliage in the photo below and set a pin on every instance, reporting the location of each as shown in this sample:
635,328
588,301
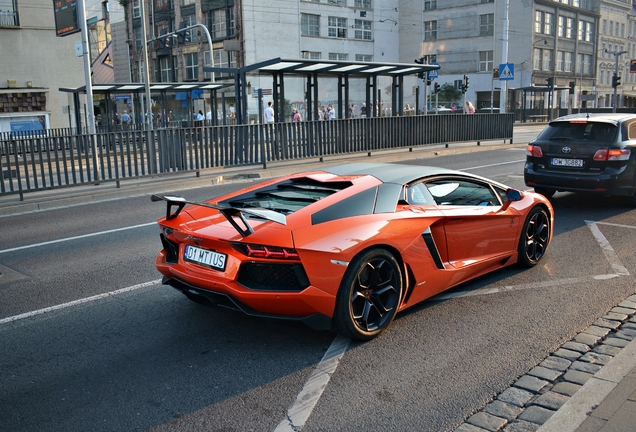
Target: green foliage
448,92
123,3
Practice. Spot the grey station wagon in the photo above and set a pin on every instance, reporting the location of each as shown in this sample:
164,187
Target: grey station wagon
584,153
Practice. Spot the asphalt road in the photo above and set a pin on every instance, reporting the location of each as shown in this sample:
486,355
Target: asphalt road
117,351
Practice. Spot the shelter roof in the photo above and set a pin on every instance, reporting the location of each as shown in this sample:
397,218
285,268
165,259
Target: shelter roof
327,67
139,87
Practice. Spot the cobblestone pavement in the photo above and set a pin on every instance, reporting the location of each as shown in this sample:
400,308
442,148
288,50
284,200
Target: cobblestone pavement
536,397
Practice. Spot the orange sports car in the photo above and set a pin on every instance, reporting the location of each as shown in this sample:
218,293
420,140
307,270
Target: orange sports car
347,247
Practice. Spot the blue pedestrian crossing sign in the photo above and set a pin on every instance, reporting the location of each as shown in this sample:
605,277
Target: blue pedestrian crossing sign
506,71
432,74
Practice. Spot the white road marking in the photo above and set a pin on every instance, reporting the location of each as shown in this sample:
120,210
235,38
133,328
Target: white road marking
76,237
307,399
78,302
608,251
491,165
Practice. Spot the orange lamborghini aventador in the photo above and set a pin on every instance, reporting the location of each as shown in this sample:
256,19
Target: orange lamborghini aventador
347,247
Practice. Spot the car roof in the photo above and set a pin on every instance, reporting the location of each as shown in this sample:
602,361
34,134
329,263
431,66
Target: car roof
598,117
388,172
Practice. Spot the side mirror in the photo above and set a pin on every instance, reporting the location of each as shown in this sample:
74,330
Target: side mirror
513,194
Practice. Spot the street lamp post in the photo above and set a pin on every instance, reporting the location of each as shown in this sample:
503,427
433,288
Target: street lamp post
616,55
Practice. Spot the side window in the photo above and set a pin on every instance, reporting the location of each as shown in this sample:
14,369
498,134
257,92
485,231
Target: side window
417,194
458,192
631,131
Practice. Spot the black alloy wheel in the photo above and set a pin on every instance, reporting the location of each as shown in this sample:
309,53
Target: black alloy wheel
535,237
369,295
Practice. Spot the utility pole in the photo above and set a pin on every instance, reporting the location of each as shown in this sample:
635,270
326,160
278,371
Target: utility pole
148,107
504,54
616,80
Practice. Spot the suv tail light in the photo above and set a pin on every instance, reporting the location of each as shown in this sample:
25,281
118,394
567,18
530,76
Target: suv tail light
612,155
533,150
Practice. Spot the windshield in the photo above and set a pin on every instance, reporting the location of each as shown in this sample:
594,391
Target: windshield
582,133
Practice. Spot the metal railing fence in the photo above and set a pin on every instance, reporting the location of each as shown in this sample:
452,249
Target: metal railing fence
59,158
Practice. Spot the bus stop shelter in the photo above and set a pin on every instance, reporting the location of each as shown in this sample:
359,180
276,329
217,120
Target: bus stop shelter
312,71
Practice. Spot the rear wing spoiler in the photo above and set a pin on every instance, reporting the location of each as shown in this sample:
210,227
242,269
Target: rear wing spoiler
235,216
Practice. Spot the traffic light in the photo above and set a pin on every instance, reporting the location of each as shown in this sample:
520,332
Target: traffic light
419,60
550,82
616,81
436,88
465,85
572,87
421,75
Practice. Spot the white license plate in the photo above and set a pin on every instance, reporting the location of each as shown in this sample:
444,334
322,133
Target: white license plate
567,162
205,257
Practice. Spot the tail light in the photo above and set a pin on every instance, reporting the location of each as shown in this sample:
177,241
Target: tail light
612,155
533,150
267,252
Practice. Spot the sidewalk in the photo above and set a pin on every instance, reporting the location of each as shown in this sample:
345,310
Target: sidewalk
607,401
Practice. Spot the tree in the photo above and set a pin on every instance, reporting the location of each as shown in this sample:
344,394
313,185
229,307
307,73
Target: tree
450,94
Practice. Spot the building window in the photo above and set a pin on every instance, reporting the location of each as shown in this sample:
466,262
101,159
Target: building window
337,2
363,30
136,9
191,66
486,61
364,57
165,66
564,61
362,4
542,59
310,55
430,30
339,56
337,27
487,1
186,2
584,65
544,23
586,31
430,5
138,39
217,23
10,17
309,25
231,23
487,25
191,35
546,60
569,28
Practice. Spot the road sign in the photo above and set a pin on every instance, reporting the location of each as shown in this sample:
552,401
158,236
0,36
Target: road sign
506,71
433,73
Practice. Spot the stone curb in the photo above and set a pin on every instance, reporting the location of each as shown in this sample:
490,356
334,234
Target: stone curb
574,378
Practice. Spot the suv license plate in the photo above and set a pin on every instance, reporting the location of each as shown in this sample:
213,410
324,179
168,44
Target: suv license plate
567,162
205,257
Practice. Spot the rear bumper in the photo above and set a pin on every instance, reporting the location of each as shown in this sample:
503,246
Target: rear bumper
621,184
316,321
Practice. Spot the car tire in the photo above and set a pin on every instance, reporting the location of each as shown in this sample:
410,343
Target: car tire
369,295
546,192
535,237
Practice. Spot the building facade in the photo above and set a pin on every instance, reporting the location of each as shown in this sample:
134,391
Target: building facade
35,64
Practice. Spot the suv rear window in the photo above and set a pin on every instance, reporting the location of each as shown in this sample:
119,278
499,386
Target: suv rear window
587,132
